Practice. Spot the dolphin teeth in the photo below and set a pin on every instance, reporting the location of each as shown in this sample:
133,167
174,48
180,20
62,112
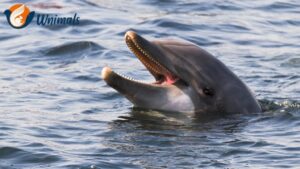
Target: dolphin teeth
143,55
130,78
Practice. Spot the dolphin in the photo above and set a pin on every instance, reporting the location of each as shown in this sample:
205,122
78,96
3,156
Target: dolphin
187,79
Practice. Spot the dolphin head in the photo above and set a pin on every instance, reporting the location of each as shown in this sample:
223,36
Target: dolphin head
187,79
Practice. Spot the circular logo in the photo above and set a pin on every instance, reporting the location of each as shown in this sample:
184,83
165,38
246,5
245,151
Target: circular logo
19,14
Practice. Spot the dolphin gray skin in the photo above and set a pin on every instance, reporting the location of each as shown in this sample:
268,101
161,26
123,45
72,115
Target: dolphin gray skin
187,79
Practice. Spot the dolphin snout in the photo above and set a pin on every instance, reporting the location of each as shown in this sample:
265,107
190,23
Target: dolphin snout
105,73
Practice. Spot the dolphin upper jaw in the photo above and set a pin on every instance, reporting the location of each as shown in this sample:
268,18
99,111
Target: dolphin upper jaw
148,54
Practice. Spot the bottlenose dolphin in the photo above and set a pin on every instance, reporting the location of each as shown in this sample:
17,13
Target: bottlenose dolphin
187,79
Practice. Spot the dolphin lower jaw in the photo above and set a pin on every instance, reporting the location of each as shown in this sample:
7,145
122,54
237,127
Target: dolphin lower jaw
151,96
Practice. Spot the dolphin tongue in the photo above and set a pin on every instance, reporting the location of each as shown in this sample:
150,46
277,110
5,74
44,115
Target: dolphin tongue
168,79
171,79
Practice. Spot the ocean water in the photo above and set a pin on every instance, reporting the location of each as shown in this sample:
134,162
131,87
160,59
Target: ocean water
56,112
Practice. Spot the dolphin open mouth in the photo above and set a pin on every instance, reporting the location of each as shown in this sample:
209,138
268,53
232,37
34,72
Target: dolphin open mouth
162,75
187,79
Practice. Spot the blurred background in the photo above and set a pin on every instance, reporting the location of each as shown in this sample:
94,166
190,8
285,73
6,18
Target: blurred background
56,112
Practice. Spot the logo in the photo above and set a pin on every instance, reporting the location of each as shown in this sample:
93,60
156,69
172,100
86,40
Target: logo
19,16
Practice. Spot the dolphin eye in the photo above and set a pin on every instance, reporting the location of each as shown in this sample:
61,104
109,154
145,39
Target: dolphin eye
208,91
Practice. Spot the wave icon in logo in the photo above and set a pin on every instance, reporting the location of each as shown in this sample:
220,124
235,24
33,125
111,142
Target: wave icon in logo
19,16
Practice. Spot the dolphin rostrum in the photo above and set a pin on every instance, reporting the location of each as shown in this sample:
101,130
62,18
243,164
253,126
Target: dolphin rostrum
187,79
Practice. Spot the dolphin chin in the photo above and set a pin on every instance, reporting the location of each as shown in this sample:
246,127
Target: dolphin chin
187,79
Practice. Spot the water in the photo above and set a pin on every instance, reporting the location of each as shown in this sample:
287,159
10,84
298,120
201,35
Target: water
56,112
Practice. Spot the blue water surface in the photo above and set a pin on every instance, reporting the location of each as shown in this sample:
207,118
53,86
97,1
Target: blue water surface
56,111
